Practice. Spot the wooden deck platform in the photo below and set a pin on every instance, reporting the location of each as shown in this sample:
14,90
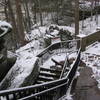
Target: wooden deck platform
86,87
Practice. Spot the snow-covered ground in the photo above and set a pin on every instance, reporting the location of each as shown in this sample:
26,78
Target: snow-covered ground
89,26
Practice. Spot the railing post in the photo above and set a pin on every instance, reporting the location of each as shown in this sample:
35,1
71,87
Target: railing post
14,96
83,43
7,97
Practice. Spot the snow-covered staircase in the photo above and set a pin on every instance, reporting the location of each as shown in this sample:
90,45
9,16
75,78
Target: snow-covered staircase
51,83
53,72
47,75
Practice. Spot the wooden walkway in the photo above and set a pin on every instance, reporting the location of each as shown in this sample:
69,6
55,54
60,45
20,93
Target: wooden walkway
86,87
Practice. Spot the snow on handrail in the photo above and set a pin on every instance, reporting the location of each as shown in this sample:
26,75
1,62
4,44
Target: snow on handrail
48,48
56,85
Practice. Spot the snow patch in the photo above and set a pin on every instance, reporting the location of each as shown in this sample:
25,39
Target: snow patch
4,23
81,35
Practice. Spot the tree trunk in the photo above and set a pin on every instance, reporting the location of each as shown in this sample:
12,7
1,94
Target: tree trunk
92,10
27,14
20,24
76,17
5,10
13,22
34,10
41,19
35,19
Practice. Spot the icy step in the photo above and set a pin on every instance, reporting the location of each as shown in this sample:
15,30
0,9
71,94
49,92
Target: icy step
50,70
45,79
50,75
39,82
47,75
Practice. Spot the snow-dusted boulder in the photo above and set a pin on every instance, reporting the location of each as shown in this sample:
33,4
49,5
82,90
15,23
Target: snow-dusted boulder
5,28
25,70
23,73
5,62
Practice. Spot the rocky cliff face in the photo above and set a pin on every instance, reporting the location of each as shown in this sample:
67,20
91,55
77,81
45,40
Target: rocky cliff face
3,59
5,62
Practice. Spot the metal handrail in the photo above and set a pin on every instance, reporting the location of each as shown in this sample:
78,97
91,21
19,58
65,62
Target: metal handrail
49,86
50,46
42,92
68,81
44,87
47,53
65,65
30,87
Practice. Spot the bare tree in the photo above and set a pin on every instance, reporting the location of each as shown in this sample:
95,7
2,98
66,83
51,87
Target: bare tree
76,17
13,22
20,24
5,10
41,19
35,11
27,13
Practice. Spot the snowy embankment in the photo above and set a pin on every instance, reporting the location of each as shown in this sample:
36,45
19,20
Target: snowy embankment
92,59
26,59
4,28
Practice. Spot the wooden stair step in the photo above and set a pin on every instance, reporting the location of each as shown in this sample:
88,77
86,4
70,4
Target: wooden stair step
49,75
45,79
50,70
